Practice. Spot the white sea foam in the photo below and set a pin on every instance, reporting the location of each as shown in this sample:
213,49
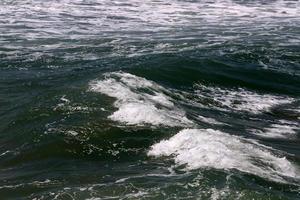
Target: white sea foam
207,148
282,129
73,133
120,20
66,105
209,120
5,153
140,101
46,182
240,99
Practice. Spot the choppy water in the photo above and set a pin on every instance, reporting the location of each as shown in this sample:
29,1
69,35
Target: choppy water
154,99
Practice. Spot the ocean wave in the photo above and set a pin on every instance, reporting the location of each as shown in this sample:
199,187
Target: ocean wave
140,101
283,129
208,148
240,99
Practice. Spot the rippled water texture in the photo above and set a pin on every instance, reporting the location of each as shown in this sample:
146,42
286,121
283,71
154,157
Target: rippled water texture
153,99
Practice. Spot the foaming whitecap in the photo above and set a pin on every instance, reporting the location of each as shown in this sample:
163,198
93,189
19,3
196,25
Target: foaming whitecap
240,99
283,129
140,101
209,120
207,148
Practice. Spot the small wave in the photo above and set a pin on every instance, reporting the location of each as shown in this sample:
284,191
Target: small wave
65,105
44,183
207,148
140,101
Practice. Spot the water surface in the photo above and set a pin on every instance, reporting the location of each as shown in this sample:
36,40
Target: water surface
164,99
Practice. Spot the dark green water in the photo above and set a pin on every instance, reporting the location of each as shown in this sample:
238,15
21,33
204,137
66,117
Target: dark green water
167,99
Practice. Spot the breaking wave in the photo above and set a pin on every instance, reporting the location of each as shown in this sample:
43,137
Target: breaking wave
140,101
240,99
208,148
